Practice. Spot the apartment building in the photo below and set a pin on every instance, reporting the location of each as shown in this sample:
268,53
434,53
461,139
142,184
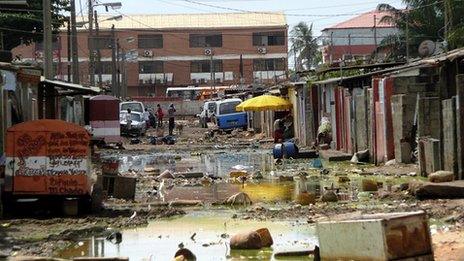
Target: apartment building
163,51
356,38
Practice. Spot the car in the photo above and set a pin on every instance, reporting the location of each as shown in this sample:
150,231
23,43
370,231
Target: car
207,113
138,125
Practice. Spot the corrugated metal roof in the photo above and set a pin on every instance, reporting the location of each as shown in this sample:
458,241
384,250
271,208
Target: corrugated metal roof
196,21
365,20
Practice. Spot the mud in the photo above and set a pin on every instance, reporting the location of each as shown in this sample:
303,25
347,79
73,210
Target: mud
272,188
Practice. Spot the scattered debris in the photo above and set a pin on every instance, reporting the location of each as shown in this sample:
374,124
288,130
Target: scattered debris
240,198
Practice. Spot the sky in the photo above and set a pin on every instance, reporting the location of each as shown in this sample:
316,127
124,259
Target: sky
322,13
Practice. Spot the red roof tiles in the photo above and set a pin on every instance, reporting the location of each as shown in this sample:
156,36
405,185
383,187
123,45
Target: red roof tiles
365,20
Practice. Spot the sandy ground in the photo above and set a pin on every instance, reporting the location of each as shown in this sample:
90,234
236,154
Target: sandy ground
45,236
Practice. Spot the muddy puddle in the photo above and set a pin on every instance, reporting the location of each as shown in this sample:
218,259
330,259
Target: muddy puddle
218,163
160,239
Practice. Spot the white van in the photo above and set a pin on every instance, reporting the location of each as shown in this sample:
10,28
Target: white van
134,106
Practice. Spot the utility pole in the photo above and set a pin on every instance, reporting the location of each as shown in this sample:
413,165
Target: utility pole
69,50
47,41
407,35
447,20
114,90
349,44
74,49
331,47
99,67
375,36
118,68
211,69
124,75
91,45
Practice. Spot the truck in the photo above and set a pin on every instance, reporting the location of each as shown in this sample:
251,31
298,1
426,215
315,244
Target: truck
47,161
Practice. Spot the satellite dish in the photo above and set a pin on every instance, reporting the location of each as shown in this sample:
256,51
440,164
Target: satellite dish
427,48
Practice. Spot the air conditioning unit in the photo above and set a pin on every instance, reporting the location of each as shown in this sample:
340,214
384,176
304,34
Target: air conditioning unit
147,53
208,52
262,50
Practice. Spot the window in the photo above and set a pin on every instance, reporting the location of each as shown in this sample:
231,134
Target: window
205,66
104,68
101,42
151,67
150,41
205,40
269,38
269,65
228,107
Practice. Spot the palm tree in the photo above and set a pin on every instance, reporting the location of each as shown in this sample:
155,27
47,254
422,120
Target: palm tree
304,46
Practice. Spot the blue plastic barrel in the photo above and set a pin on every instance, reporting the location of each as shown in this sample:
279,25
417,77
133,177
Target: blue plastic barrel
278,151
290,150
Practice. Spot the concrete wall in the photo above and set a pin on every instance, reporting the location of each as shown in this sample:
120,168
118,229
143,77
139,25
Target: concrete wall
449,135
460,123
429,118
183,108
403,110
361,122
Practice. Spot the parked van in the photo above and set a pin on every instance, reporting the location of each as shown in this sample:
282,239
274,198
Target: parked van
227,116
134,106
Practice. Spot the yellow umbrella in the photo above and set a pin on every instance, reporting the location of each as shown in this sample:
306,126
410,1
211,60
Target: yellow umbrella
264,103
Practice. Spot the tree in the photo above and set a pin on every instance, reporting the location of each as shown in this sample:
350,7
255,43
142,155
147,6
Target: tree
304,46
425,20
24,25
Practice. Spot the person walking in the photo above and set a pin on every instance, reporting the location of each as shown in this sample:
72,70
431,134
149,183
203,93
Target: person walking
171,113
146,118
159,115
128,120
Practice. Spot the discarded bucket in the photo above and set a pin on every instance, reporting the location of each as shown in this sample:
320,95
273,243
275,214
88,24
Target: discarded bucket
278,152
290,150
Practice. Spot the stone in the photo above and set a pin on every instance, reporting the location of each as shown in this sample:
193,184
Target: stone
343,179
445,190
305,198
240,198
248,240
266,238
369,185
185,254
166,175
390,162
329,196
441,176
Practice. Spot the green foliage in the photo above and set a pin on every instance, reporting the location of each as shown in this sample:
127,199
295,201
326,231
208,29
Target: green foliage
304,45
25,25
425,20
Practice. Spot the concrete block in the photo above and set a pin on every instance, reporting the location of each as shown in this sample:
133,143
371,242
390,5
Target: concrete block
429,117
361,122
335,155
449,135
403,110
124,187
433,162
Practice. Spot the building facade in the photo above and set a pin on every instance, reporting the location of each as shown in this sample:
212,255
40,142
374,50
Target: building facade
161,51
356,38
